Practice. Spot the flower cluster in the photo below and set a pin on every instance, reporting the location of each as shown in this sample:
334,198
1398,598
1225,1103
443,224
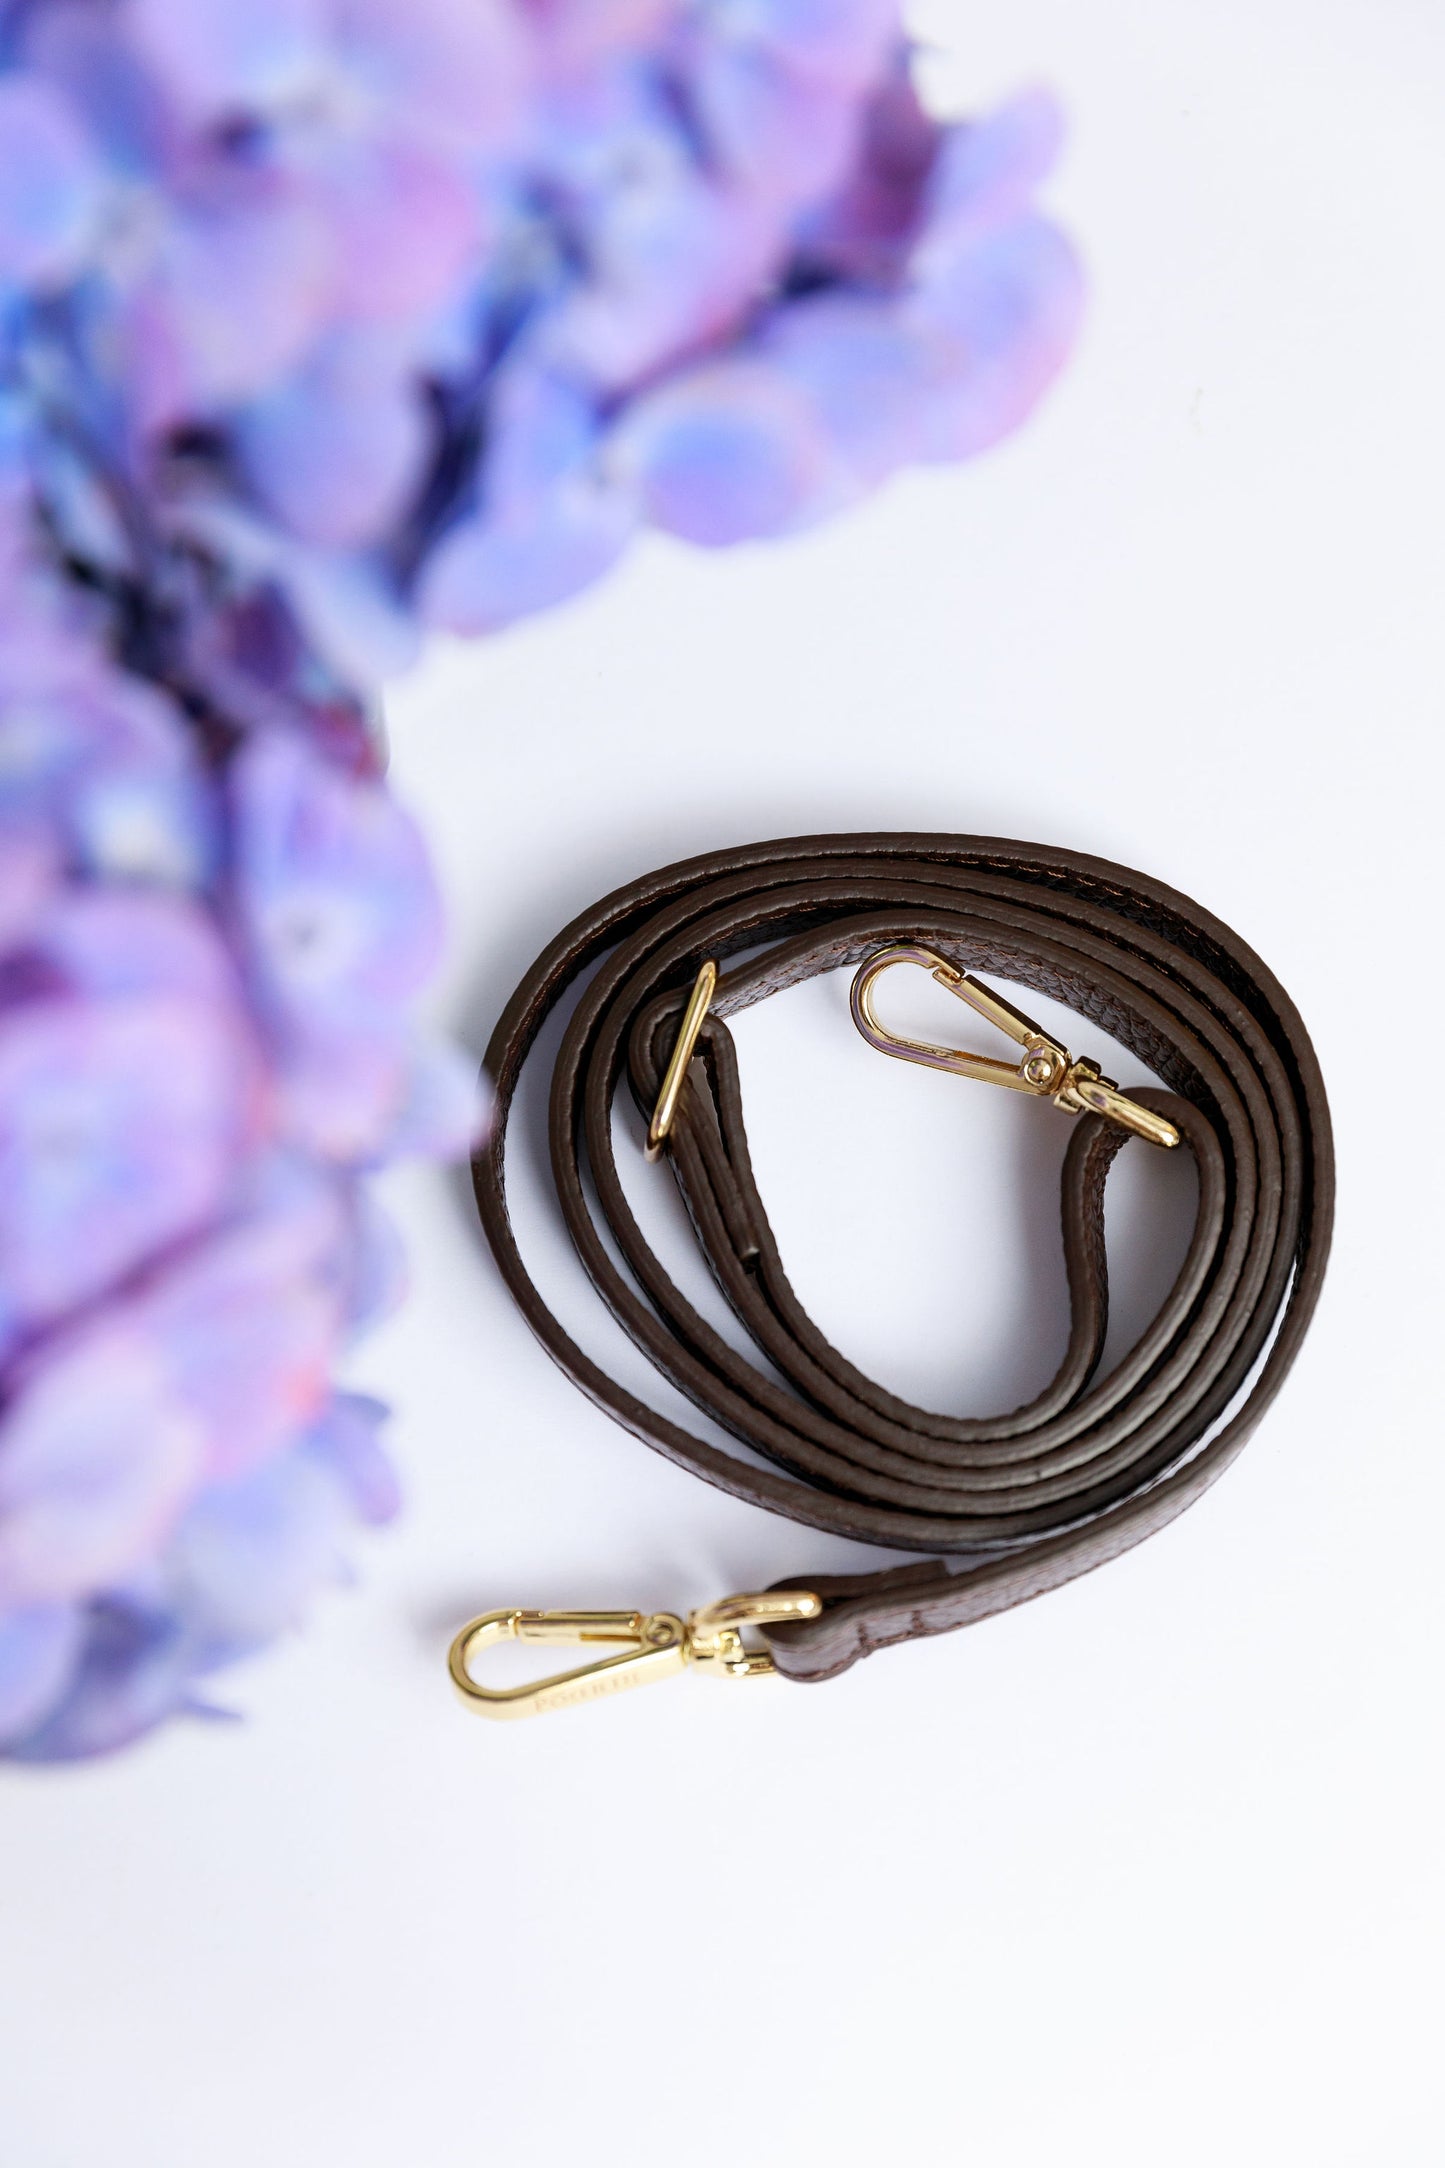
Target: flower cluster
323,322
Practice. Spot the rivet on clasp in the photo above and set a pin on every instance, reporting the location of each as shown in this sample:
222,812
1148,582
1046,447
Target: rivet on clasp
652,1646
1044,1068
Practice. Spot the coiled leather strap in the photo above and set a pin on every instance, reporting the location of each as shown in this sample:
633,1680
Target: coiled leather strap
1009,1506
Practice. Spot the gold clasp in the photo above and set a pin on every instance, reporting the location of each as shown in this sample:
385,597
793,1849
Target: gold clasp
714,1634
653,1646
698,1003
1044,1068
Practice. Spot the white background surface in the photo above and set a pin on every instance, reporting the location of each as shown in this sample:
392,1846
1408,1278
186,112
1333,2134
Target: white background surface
1145,1873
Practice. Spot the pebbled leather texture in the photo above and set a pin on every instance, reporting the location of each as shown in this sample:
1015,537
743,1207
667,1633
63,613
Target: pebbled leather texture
1009,1506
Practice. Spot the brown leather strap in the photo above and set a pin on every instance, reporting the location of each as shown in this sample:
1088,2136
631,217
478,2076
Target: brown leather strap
1010,1505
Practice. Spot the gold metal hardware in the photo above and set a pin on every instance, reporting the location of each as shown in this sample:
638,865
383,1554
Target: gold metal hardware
698,1003
1044,1068
653,1646
714,1633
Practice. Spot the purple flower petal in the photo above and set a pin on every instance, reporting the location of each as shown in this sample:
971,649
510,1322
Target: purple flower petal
205,1373
489,572
250,1554
225,56
135,1668
865,233
342,1086
336,452
455,72
671,274
862,370
445,1108
775,127
240,1567
337,911
844,42
575,36
406,224
99,1455
250,1321
1000,325
91,57
108,942
376,1260
351,613
986,176
30,869
346,1440
51,185
38,1650
676,250
725,453
244,279
333,893
121,1127
549,523
544,432
106,763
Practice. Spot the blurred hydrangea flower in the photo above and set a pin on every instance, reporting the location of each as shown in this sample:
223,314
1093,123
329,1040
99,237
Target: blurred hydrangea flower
323,322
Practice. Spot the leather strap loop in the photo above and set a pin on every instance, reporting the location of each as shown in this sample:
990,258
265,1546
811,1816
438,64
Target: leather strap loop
1010,1505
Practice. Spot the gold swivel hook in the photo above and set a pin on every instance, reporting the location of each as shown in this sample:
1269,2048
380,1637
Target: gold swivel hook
1044,1068
651,1646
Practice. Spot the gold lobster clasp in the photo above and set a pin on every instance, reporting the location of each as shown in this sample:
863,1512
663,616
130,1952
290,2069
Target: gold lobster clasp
1044,1068
651,1646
